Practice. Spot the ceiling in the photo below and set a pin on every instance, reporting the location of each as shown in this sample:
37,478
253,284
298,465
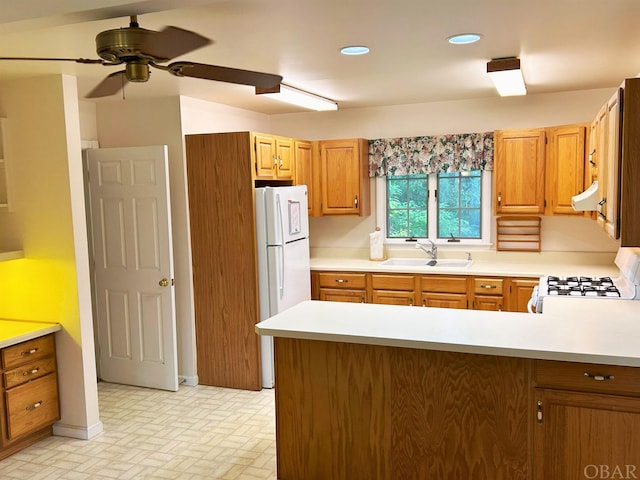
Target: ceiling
563,45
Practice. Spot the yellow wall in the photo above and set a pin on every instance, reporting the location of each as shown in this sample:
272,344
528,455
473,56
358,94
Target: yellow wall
51,282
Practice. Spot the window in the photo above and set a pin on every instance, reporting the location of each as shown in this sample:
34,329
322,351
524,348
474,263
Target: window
436,206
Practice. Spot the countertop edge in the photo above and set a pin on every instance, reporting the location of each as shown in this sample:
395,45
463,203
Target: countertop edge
39,332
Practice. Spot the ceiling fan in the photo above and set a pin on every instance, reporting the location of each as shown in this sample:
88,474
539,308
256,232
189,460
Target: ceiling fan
138,49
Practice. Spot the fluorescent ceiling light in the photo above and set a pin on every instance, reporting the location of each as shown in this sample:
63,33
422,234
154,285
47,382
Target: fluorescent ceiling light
354,50
285,93
463,38
507,76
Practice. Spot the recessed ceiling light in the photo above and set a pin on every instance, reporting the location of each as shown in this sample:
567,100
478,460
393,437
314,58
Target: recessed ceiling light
464,38
354,50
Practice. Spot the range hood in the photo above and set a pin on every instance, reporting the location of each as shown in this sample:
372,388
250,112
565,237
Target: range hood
587,200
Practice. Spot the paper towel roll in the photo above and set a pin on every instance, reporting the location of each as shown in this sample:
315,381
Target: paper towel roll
376,245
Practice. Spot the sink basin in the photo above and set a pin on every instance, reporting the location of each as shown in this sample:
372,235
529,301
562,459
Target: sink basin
450,263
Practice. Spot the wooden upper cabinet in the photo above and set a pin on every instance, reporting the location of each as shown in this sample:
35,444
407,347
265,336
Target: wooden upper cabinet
564,166
344,177
303,158
273,157
519,166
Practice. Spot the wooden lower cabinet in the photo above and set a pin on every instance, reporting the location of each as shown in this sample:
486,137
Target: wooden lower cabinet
440,291
393,289
587,421
443,291
488,294
520,291
339,287
29,402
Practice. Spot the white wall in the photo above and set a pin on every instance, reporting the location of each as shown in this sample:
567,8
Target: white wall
52,282
463,116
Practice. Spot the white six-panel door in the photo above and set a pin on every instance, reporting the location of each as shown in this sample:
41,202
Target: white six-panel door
133,265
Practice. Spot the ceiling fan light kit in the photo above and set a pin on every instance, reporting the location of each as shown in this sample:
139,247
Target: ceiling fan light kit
507,76
295,96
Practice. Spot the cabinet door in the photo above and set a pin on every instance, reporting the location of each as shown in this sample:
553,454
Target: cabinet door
342,295
586,435
494,303
393,297
265,155
613,159
520,293
444,300
284,158
519,171
564,168
303,157
345,186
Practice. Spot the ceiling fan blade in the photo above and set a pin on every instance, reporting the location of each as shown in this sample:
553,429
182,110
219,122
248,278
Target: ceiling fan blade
76,60
172,42
224,74
110,85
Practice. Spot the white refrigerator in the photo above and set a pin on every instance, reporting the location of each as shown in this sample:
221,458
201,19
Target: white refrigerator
282,233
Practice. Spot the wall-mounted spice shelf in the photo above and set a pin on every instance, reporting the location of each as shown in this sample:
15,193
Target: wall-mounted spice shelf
518,233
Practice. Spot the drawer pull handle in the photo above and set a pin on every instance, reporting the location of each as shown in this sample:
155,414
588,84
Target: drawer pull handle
488,286
599,378
30,408
341,280
29,352
30,372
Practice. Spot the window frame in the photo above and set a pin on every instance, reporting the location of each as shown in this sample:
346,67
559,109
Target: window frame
432,214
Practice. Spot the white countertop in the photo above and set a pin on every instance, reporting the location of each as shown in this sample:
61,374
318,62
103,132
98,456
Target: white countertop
536,267
570,329
13,332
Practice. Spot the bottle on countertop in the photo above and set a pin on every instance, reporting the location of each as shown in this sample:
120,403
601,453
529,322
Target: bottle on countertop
376,245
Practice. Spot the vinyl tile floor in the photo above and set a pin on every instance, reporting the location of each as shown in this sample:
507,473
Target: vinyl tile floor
196,433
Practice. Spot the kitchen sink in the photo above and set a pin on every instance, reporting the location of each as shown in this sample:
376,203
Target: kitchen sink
449,263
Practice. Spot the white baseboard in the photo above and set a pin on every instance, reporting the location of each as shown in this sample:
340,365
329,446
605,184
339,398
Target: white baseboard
189,381
74,431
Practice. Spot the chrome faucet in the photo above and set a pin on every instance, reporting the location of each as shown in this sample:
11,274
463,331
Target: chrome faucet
432,252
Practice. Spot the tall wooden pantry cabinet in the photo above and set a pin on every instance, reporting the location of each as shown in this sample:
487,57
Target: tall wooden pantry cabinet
223,247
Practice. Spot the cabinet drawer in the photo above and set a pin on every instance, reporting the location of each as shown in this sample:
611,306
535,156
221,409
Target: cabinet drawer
28,351
29,371
601,378
342,280
444,284
32,406
488,286
392,282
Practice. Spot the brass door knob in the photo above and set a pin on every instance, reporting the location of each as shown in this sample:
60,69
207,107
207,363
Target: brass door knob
164,282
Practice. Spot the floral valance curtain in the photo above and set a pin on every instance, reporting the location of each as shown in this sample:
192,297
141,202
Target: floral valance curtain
435,154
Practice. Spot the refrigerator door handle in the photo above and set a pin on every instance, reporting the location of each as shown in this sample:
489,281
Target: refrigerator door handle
281,271
279,222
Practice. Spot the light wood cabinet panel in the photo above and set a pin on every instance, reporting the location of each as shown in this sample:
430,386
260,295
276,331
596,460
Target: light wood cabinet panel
564,168
586,435
610,218
520,291
225,270
444,300
344,177
342,280
342,295
443,284
519,166
303,155
393,297
493,303
273,157
349,411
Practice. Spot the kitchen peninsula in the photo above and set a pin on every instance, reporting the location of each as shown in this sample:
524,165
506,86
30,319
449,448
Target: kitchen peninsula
394,392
